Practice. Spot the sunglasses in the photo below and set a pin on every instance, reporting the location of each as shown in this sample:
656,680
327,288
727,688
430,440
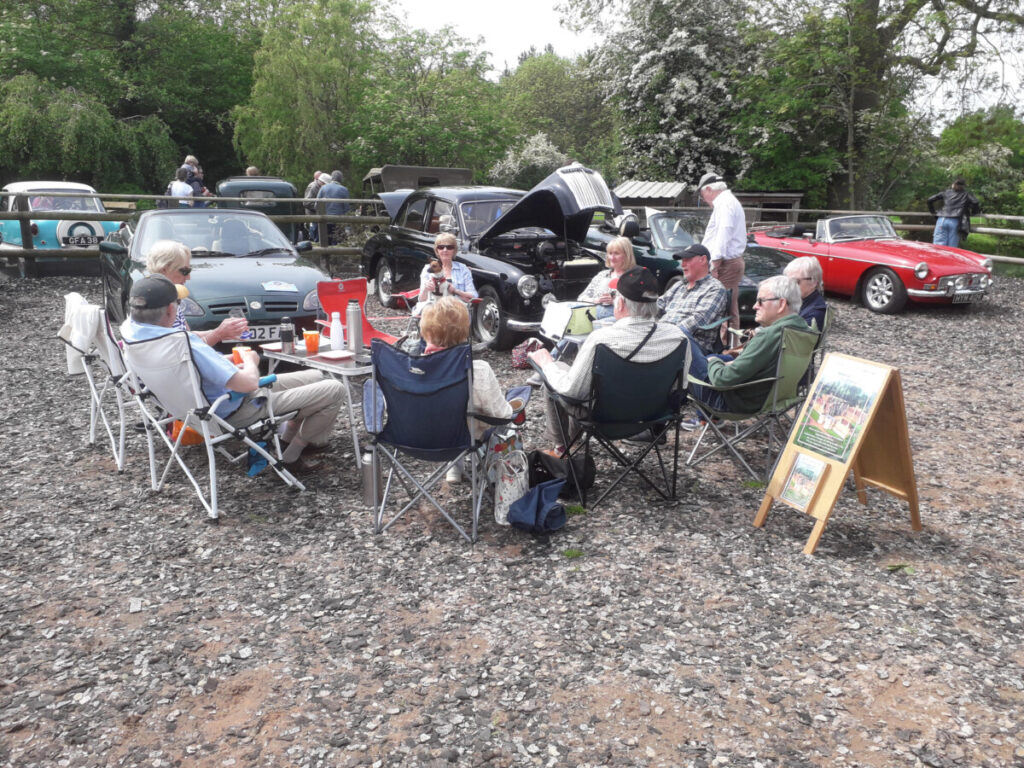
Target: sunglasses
185,271
766,299
445,247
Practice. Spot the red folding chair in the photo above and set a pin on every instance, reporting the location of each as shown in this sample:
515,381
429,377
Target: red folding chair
334,296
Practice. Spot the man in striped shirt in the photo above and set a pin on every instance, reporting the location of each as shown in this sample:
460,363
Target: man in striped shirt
696,301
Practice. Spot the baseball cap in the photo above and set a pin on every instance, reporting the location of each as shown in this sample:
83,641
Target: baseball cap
154,292
693,249
638,284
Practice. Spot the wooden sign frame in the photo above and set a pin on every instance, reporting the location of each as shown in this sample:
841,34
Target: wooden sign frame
853,420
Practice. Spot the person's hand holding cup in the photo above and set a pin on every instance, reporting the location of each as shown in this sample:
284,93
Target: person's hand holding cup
240,354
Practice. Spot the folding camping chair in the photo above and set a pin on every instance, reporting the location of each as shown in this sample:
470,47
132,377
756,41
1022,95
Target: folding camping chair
92,351
628,398
426,416
784,395
166,367
334,296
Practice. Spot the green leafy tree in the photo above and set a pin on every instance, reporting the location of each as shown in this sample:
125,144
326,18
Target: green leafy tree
311,79
429,102
563,100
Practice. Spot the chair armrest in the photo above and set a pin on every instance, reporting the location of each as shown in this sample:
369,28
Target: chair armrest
711,326
733,387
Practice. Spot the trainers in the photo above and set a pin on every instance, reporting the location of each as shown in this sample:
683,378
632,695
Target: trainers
302,466
453,475
691,424
535,381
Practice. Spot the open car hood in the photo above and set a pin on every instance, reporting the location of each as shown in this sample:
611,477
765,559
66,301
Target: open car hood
565,202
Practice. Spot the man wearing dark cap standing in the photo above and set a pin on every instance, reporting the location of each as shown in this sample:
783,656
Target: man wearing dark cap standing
958,205
725,238
153,310
636,332
698,300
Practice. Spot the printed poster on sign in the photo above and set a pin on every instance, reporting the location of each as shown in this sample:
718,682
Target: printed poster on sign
803,481
845,394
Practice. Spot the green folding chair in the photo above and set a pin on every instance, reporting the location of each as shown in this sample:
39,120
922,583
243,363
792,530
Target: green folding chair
785,395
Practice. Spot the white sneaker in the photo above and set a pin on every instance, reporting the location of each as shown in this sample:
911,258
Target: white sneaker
454,474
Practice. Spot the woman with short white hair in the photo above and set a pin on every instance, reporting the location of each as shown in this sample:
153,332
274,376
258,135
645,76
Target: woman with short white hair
173,260
806,271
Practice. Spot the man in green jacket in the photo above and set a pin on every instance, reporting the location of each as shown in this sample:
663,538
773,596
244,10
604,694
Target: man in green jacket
777,308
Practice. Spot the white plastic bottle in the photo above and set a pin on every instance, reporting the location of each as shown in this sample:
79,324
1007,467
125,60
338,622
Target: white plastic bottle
337,335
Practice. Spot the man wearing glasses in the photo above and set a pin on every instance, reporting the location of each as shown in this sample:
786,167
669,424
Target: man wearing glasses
776,308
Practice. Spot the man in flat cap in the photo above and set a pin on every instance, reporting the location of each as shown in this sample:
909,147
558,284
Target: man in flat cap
153,310
725,238
635,332
698,300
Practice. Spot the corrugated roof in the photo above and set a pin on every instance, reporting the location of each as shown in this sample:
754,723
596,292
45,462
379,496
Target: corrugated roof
650,189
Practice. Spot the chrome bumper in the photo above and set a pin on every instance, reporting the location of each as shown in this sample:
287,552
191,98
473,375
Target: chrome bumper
523,326
956,296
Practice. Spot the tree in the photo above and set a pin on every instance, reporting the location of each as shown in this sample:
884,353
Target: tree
668,69
311,78
563,100
986,148
525,166
428,102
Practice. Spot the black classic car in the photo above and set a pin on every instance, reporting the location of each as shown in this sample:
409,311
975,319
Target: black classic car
520,247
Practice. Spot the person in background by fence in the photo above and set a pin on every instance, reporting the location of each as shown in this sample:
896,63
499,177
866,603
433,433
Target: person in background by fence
333,191
954,217
319,179
252,170
181,188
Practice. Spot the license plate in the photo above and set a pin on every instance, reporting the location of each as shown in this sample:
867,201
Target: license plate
81,240
966,298
265,332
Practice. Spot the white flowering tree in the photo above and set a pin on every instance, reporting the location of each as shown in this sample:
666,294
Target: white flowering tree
525,165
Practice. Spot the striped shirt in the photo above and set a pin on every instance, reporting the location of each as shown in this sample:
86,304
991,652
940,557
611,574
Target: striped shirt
689,308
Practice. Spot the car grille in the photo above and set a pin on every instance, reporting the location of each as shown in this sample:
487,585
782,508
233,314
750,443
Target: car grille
271,306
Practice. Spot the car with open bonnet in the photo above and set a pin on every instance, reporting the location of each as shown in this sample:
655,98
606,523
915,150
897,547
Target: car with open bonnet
863,257
523,249
240,260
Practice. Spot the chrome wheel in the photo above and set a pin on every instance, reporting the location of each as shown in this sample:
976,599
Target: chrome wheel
385,281
489,325
884,292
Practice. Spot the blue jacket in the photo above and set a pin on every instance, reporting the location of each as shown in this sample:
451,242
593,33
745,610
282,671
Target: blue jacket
332,190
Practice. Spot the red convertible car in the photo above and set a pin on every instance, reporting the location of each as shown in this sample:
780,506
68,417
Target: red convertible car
862,256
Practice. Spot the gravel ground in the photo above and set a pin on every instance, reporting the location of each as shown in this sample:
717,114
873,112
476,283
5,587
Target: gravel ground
644,634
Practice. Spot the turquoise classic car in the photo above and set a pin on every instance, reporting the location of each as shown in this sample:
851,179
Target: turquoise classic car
53,235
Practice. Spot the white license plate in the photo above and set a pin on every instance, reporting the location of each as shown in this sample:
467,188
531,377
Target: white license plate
81,240
265,332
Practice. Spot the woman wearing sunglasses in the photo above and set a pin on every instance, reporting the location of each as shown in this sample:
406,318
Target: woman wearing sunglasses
444,276
173,260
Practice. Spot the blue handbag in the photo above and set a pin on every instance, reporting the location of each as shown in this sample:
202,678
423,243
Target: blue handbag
539,511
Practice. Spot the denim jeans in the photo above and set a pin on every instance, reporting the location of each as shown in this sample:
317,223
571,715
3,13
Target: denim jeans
699,370
947,231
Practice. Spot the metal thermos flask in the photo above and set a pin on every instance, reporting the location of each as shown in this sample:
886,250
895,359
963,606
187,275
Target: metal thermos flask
370,479
287,336
354,325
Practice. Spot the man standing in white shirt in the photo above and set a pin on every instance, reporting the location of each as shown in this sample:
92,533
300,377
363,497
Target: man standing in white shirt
725,237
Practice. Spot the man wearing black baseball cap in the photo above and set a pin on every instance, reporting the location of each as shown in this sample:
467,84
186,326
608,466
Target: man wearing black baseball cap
153,310
725,237
635,332
696,301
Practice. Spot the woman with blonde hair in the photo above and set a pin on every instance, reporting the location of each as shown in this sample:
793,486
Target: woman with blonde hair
601,290
173,260
445,324
444,276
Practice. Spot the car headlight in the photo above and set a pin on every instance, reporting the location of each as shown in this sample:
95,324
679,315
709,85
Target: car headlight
191,309
921,271
527,286
962,282
311,303
987,264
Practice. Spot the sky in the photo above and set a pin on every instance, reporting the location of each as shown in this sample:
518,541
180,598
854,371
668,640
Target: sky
508,28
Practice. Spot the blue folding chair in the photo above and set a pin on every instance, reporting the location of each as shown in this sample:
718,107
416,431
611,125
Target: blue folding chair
426,417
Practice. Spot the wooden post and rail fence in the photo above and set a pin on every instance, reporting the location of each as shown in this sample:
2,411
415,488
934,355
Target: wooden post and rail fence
123,208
